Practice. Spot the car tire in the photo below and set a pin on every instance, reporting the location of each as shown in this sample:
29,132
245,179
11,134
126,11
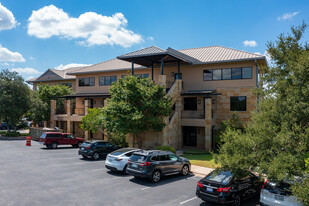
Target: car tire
156,176
185,170
124,171
96,156
48,146
237,200
54,145
84,156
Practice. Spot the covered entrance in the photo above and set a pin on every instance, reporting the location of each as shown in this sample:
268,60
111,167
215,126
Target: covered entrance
189,136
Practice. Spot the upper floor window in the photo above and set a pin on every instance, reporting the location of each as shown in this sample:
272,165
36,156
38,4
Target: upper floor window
238,103
190,103
107,80
142,75
84,82
228,74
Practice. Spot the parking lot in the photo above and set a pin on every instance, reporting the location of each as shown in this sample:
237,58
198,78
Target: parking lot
39,176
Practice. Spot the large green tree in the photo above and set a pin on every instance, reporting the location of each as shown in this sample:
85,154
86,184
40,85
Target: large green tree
14,97
136,106
276,141
40,101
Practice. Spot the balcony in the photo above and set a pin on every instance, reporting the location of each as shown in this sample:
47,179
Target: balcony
198,114
78,111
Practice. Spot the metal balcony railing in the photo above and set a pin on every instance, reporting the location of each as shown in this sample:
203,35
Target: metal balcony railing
198,114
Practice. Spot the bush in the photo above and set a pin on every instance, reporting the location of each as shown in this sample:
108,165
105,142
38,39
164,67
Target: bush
118,139
12,134
166,148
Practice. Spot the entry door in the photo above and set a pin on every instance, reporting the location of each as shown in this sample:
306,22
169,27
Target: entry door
190,136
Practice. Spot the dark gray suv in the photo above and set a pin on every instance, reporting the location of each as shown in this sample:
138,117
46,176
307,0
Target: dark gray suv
154,164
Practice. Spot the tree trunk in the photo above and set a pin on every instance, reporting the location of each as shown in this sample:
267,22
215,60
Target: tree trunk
139,141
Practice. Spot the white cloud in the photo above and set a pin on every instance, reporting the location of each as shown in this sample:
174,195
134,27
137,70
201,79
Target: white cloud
8,56
7,20
150,38
267,55
94,28
29,77
288,15
31,58
67,66
251,43
26,71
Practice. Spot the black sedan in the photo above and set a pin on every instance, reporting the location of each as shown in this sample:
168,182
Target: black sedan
224,188
96,149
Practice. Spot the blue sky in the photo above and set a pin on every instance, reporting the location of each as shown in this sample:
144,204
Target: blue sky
36,35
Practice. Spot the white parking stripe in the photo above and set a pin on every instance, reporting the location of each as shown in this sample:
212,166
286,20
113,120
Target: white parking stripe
145,188
193,198
115,178
97,169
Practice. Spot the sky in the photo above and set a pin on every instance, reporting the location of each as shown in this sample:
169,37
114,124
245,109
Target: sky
36,35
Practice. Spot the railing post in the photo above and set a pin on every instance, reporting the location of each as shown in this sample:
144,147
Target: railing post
208,118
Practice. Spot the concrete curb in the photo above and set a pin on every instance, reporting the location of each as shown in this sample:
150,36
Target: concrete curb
200,171
13,138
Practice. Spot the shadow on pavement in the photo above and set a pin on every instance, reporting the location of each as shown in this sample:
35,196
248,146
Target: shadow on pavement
250,202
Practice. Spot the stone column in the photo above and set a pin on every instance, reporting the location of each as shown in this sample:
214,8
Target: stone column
69,112
208,118
87,103
105,102
52,113
162,80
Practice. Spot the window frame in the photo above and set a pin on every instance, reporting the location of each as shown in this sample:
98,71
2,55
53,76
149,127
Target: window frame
110,80
238,106
184,105
89,79
222,71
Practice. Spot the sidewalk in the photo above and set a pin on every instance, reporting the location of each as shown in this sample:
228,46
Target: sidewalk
200,171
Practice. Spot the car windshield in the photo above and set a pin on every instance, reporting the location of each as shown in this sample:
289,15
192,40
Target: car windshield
137,158
121,151
280,188
43,136
86,144
223,177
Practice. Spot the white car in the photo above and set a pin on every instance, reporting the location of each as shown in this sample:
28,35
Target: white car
274,194
118,160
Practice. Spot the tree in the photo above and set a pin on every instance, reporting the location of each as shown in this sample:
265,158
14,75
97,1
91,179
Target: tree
14,97
40,101
276,141
136,105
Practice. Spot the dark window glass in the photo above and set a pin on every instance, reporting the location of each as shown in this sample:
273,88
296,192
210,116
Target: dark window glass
247,73
82,82
223,177
155,158
216,74
190,103
145,75
107,80
207,75
164,158
238,103
226,74
236,73
137,158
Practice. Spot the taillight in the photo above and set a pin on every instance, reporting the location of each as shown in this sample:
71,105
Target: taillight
145,164
224,189
87,147
128,161
199,184
264,184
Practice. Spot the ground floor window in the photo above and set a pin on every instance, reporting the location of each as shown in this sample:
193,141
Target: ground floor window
190,136
238,103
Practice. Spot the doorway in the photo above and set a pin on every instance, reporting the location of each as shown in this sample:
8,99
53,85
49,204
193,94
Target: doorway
190,136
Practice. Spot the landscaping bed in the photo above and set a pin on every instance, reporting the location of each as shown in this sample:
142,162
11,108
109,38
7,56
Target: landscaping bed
200,158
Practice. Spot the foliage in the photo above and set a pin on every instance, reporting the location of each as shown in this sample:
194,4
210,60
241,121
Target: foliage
40,101
166,148
12,134
302,190
136,105
202,159
14,97
92,121
276,141
118,139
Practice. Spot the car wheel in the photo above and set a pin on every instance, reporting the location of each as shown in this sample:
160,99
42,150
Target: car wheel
156,176
54,145
124,171
185,170
237,200
96,156
84,156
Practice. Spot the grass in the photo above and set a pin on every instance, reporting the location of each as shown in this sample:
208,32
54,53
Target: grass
199,158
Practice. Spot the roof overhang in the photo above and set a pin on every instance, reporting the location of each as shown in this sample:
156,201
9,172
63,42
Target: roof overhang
73,96
199,93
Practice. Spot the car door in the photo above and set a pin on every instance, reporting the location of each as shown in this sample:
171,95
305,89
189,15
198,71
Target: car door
175,163
165,164
101,148
64,139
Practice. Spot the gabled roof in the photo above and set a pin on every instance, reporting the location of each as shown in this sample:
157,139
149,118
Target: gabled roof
215,54
110,65
153,50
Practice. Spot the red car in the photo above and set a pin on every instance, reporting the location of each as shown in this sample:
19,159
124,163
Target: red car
53,139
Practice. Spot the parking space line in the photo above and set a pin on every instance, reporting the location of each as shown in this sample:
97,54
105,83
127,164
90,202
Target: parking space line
145,188
188,200
98,169
115,178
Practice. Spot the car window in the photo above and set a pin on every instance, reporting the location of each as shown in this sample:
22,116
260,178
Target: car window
70,136
164,158
137,158
65,136
101,144
173,157
121,151
223,177
129,154
54,135
155,158
43,135
109,145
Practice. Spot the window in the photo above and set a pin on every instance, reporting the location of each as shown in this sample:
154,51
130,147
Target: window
164,158
173,157
236,73
84,82
67,84
107,80
142,75
247,73
190,103
238,103
155,158
207,75
226,74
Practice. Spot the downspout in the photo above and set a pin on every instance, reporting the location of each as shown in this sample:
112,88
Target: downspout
257,80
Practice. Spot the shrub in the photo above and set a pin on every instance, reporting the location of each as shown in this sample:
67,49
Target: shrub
118,139
166,148
12,134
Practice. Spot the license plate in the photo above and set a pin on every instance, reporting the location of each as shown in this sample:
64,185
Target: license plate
134,165
209,189
279,197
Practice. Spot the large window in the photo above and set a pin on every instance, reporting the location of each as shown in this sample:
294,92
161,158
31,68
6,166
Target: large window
190,103
228,74
238,103
107,80
84,82
142,75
